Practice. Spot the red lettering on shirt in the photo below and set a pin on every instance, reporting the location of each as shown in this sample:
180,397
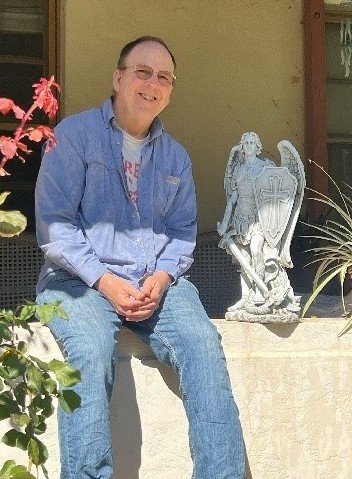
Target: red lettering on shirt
128,166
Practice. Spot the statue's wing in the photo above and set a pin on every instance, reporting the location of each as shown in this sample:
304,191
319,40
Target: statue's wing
292,161
233,160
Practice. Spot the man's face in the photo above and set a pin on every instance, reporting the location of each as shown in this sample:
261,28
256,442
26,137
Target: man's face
143,99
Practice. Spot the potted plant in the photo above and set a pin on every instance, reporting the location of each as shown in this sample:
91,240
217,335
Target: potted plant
333,254
28,385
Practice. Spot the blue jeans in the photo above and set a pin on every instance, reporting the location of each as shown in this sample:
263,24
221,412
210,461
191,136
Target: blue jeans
181,336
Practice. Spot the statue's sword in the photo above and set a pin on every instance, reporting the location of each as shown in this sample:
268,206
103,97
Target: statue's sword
246,266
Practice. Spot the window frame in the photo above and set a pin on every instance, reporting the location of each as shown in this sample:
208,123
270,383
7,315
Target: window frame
50,57
315,16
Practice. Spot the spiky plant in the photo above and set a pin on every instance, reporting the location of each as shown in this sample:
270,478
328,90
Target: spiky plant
334,253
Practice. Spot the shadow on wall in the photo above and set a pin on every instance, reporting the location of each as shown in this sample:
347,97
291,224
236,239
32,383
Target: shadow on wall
127,442
127,434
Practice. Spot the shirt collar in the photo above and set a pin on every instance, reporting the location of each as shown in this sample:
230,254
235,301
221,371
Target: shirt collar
156,127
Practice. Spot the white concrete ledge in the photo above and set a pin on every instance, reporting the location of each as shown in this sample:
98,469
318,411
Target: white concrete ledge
292,384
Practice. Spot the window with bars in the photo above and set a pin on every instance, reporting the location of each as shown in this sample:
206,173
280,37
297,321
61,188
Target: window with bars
339,100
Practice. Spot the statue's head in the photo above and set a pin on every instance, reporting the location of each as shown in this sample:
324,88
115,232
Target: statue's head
255,138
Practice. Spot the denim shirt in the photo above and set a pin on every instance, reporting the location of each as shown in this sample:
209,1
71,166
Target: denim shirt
86,222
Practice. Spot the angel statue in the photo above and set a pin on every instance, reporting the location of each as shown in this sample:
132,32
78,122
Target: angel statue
263,204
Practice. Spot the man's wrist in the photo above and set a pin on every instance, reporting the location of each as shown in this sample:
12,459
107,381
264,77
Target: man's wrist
167,278
103,280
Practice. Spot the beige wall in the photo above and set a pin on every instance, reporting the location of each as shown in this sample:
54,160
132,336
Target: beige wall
292,384
240,67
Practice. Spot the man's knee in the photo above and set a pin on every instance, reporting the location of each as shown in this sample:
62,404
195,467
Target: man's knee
204,339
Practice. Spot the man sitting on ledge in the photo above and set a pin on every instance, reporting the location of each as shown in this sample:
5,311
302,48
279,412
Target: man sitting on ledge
116,219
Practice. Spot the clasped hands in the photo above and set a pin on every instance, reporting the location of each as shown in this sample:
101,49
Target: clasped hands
132,303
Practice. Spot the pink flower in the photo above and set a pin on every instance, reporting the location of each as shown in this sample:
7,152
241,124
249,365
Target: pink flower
19,113
23,147
8,147
44,97
11,147
6,105
43,133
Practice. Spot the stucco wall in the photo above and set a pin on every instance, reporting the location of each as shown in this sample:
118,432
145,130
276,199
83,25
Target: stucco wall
240,67
292,386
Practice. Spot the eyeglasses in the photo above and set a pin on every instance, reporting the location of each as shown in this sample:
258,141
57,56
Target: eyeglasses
144,72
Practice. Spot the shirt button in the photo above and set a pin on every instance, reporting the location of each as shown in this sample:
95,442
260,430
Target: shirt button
138,241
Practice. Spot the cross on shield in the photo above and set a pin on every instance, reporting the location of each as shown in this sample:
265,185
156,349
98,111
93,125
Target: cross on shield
275,190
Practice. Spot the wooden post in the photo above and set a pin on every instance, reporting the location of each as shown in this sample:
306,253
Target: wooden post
315,92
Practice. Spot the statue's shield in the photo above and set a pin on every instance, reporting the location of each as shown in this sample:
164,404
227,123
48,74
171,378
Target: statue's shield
275,190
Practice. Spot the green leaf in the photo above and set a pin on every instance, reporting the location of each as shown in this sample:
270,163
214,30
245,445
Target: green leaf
41,426
27,312
5,332
15,366
20,393
15,438
4,413
56,365
69,400
9,316
50,385
47,406
10,470
44,403
7,405
20,419
3,196
41,364
20,472
22,347
37,451
65,374
12,223
2,385
34,379
6,469
3,373
33,451
46,312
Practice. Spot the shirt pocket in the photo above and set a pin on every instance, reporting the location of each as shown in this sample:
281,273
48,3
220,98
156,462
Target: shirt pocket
165,190
95,189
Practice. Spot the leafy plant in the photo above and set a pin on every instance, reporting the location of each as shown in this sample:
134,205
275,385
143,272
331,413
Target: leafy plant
28,385
334,253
